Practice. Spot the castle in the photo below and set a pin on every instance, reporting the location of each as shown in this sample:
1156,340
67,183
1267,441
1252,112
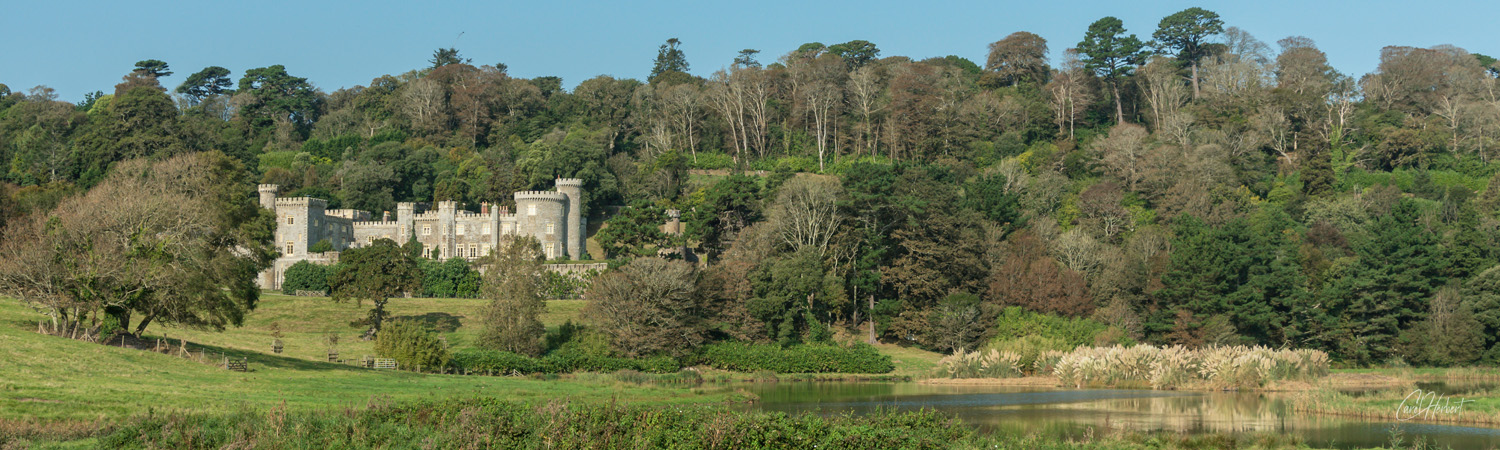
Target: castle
554,218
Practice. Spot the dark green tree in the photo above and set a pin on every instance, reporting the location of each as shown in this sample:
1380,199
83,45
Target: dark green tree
445,56
1111,55
729,205
154,68
1186,32
669,58
635,231
304,276
746,58
212,80
273,95
1400,265
375,273
450,279
856,53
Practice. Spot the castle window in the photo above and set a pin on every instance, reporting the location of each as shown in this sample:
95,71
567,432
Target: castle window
505,229
531,210
473,250
550,228
427,230
485,251
486,229
290,220
551,253
460,230
290,247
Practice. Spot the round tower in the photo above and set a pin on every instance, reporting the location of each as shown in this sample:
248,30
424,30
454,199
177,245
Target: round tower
573,188
544,215
268,196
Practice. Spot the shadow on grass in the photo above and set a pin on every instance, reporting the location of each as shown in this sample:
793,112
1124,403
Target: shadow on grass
213,355
436,321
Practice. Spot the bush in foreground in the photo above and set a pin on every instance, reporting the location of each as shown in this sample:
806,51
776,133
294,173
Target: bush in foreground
411,346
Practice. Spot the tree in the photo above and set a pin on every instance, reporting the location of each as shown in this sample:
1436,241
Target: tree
176,241
211,81
1111,55
304,276
958,323
1030,278
446,56
269,96
375,273
1400,265
450,279
514,284
412,346
635,231
746,58
153,68
856,53
648,307
669,58
1185,31
806,213
1020,57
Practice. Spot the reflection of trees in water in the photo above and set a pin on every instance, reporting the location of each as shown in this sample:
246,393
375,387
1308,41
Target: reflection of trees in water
1227,412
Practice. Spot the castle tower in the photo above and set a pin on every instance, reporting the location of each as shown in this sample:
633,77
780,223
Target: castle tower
544,215
573,188
405,212
447,209
268,196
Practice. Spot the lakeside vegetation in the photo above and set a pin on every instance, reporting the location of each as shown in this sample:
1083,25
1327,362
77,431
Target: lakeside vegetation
1194,212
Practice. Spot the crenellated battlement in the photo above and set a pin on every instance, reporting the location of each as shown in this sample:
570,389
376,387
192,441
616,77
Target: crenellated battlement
376,223
268,187
302,201
569,182
541,195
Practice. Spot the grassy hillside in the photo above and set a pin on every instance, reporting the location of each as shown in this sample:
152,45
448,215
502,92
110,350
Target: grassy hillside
49,378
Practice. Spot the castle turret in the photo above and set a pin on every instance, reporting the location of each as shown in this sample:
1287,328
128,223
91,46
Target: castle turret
268,196
573,188
405,212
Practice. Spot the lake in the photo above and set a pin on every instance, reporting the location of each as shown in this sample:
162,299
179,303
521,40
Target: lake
1075,413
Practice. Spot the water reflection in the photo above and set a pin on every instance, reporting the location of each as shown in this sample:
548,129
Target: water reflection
1074,413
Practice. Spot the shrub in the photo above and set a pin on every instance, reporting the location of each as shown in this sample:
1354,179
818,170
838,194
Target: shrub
1015,322
806,358
981,364
1030,348
564,361
711,161
305,276
411,346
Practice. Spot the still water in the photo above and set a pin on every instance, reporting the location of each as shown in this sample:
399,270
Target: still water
1077,413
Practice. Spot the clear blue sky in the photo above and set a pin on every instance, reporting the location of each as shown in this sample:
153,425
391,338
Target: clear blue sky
82,46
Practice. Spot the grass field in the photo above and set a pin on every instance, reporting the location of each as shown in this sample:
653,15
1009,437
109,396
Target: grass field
51,378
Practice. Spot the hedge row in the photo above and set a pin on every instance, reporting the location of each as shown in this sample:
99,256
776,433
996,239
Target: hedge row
807,358
488,361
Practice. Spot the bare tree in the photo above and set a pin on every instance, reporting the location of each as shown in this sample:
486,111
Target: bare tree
806,212
1124,153
865,96
823,100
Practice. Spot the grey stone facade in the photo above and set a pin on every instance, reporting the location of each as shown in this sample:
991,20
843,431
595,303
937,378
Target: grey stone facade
553,217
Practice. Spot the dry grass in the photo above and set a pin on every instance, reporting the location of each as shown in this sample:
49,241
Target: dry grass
1178,367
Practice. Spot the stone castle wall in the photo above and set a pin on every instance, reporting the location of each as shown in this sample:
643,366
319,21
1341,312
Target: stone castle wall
552,217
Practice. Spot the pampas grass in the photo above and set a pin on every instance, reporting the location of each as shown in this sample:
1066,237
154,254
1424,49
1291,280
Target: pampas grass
1176,366
980,364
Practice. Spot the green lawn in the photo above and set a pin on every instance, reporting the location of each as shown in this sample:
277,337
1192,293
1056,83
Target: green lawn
50,378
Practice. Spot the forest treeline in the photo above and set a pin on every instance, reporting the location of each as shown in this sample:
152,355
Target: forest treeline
1195,186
